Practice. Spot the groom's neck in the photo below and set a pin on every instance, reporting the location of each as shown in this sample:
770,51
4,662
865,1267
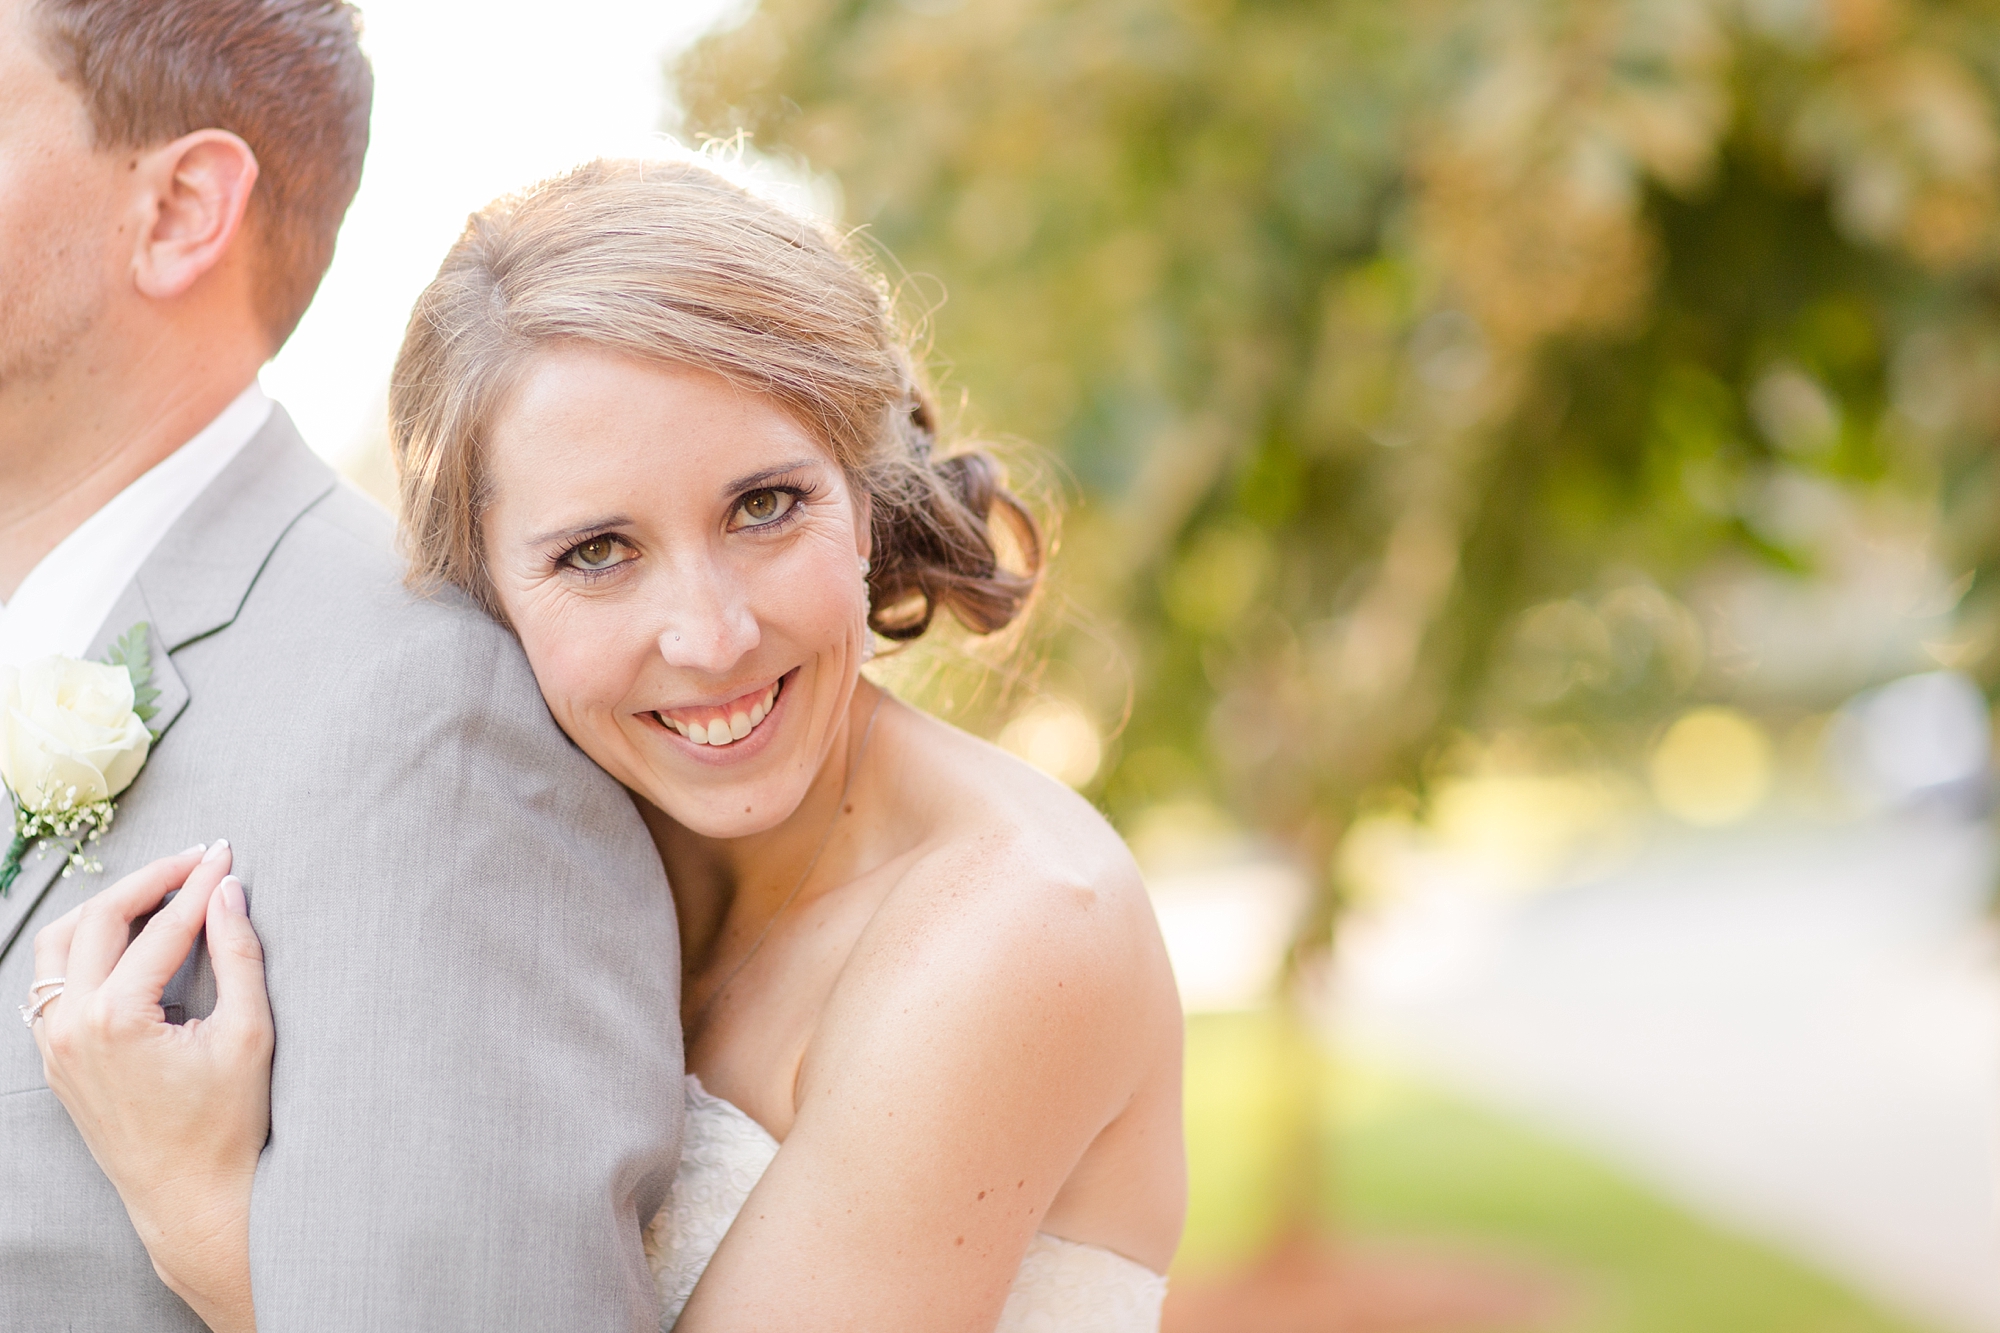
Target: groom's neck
77,434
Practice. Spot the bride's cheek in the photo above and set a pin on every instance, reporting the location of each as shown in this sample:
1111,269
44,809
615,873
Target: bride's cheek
571,681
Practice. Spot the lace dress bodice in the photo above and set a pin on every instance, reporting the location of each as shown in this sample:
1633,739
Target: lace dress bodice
1062,1287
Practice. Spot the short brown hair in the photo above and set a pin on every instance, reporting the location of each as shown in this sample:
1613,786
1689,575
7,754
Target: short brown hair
286,76
670,262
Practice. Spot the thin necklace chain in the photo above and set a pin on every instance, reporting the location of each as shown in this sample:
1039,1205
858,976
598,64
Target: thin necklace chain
701,1015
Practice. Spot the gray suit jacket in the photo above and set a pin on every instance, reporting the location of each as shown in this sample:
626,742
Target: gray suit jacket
476,1094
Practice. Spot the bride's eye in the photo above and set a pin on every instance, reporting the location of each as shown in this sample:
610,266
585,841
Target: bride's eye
762,508
597,554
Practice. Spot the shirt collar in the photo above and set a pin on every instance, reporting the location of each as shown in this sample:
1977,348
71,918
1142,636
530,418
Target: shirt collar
62,603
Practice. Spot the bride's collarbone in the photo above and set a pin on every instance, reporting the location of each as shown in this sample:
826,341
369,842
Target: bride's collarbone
757,1034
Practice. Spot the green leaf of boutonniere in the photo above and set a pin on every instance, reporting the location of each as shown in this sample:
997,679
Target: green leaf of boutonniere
134,652
10,864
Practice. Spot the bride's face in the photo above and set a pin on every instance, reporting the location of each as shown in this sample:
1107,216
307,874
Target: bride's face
681,559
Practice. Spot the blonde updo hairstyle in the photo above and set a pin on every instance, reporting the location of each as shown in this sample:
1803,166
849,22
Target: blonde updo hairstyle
670,262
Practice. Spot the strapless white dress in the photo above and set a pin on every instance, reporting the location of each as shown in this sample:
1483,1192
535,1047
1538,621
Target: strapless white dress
1063,1286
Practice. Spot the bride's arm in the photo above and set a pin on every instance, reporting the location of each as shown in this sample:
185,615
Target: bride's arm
974,1047
176,1115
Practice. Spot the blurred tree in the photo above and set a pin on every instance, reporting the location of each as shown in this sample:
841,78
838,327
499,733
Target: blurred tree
1412,357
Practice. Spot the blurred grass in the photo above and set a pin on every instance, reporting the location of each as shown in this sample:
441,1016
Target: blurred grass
1278,1130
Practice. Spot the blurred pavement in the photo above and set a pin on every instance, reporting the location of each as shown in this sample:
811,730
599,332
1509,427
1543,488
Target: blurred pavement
1793,1030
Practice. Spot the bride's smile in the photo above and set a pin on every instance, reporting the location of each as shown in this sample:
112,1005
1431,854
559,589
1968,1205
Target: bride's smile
682,560
719,725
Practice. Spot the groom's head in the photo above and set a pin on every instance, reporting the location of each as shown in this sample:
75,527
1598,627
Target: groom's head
169,165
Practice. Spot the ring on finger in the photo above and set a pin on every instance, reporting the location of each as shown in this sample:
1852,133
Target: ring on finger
31,1012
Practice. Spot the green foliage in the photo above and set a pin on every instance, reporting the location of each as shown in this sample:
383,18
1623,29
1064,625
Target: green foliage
10,861
1414,361
134,652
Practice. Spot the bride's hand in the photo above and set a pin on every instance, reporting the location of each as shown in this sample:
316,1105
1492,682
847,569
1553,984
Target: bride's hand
176,1115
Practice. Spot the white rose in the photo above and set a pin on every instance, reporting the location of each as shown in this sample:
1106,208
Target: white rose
64,724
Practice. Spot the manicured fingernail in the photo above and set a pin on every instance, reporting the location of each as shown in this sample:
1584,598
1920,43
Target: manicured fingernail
215,852
232,896
198,847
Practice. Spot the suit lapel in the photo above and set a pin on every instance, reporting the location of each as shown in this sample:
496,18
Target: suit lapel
195,580
192,586
38,871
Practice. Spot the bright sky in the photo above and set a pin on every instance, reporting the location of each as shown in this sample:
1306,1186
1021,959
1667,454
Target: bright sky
473,98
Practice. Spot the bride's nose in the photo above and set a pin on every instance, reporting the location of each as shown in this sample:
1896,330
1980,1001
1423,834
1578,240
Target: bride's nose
708,628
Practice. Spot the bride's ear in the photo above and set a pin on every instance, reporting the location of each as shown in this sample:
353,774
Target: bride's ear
196,195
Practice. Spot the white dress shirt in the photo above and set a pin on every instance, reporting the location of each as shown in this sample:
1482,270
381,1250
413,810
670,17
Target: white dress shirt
64,600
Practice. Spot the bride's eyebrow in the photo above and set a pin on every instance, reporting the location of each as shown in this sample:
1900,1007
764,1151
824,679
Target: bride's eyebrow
766,475
580,531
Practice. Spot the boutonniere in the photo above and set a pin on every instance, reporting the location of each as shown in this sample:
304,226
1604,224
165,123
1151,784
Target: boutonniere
72,737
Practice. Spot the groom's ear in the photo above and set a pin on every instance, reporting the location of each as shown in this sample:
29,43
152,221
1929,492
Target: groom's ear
195,195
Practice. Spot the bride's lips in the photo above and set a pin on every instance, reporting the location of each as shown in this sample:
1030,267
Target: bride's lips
730,731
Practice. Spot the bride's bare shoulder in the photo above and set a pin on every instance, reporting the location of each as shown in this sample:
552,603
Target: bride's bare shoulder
995,822
1006,1011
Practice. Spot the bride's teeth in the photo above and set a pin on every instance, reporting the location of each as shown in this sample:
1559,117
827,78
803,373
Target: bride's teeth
724,730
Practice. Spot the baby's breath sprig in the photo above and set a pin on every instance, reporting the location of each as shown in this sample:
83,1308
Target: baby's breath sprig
67,820
60,819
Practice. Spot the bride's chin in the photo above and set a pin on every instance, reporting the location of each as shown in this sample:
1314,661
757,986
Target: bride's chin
728,818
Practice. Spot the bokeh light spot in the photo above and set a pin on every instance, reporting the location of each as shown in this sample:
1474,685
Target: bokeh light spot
1713,766
1057,737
